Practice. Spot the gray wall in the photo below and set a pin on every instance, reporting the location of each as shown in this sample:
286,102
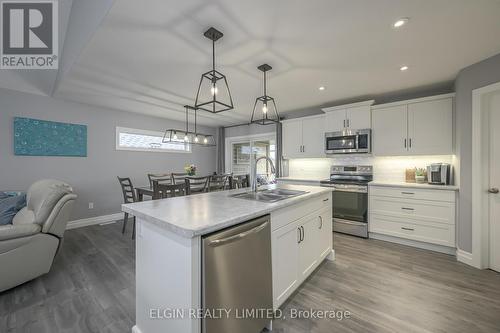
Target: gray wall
249,130
93,177
478,75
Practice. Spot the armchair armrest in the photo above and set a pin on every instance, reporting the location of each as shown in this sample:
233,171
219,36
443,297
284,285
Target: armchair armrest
17,231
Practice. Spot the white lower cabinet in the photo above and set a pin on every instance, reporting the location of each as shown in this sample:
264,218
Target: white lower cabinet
299,246
422,215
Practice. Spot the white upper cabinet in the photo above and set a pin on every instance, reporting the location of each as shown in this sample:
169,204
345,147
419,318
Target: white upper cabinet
351,116
335,120
292,138
389,132
304,137
430,127
422,126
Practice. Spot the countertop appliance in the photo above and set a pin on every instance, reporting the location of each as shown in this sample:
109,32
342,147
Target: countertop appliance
236,275
439,173
350,198
348,142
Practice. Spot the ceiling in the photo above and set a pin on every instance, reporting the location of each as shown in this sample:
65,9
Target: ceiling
147,56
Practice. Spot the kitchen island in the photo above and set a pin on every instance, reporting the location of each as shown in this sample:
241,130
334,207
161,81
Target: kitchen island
169,249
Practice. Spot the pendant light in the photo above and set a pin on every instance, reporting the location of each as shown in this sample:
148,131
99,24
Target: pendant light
188,137
213,91
267,113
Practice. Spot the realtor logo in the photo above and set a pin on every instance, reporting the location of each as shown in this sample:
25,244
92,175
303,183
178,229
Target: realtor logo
29,34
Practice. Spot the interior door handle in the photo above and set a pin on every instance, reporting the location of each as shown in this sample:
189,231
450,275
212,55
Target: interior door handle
493,190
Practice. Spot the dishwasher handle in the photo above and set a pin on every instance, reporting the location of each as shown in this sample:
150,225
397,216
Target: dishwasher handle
222,241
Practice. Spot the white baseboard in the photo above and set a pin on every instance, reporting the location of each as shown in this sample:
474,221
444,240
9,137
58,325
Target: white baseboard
464,257
417,244
94,220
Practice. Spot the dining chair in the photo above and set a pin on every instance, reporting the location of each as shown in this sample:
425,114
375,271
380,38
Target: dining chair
178,178
240,181
128,197
163,191
218,182
196,184
164,178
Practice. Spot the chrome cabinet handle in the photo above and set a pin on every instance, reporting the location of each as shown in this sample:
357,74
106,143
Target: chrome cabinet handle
406,208
303,233
493,190
405,143
410,142
300,235
321,221
408,193
409,229
325,200
344,123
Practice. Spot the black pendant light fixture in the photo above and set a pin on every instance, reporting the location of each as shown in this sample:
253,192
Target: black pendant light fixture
213,91
267,112
189,137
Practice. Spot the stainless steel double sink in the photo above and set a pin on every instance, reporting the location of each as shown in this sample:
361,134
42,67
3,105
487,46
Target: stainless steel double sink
271,195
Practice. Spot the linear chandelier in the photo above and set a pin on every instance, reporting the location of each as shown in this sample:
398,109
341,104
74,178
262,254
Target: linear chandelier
213,91
189,137
269,113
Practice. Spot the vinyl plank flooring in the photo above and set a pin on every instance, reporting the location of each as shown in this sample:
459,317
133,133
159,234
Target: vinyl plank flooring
386,287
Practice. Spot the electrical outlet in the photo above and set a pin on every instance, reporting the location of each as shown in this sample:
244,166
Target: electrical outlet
91,205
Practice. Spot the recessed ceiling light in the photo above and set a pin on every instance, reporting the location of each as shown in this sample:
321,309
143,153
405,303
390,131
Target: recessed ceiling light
403,68
399,23
321,88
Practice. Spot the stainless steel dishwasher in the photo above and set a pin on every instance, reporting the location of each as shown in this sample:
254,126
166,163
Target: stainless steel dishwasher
237,277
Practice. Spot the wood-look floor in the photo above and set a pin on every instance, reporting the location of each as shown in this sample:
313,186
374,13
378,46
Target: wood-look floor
386,288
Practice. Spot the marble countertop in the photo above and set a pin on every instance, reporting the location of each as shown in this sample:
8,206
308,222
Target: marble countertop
414,185
200,214
303,179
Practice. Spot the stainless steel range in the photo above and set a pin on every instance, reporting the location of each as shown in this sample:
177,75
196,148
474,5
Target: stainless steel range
350,198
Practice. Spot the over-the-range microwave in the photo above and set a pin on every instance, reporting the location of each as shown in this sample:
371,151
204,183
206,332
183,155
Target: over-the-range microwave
348,142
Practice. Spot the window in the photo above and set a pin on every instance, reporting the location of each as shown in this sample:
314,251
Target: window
143,140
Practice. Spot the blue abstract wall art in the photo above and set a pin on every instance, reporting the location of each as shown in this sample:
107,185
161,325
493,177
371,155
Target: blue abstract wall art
34,137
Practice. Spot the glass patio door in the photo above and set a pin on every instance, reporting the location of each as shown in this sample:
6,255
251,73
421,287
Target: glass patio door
241,151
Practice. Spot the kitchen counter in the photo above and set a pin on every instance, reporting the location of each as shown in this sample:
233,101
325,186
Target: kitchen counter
414,185
201,214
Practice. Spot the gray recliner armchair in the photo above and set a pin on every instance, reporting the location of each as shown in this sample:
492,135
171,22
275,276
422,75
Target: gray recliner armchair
29,245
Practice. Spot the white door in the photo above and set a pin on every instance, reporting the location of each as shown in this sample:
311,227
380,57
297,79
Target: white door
389,131
313,137
494,198
359,117
285,262
308,254
335,121
292,139
430,127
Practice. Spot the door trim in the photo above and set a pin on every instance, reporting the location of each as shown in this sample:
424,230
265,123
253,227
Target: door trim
241,139
480,220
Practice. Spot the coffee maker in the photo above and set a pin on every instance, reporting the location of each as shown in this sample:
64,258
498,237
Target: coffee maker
439,173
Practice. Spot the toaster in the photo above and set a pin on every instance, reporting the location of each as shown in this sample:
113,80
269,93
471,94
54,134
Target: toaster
439,173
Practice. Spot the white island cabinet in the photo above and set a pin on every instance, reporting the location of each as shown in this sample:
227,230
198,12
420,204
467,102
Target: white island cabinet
169,249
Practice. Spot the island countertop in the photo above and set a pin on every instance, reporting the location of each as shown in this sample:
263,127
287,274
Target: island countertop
200,214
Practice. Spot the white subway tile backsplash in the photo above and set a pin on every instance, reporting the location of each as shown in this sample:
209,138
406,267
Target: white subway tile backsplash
390,169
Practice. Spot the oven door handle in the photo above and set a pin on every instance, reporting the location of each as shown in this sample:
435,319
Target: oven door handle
350,190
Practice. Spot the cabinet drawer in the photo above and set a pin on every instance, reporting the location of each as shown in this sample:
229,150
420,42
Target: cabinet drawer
438,212
282,217
412,193
442,235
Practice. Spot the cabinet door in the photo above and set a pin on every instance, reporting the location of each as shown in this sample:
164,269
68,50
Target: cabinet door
430,127
285,262
389,131
292,139
359,117
335,121
308,247
313,137
324,228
